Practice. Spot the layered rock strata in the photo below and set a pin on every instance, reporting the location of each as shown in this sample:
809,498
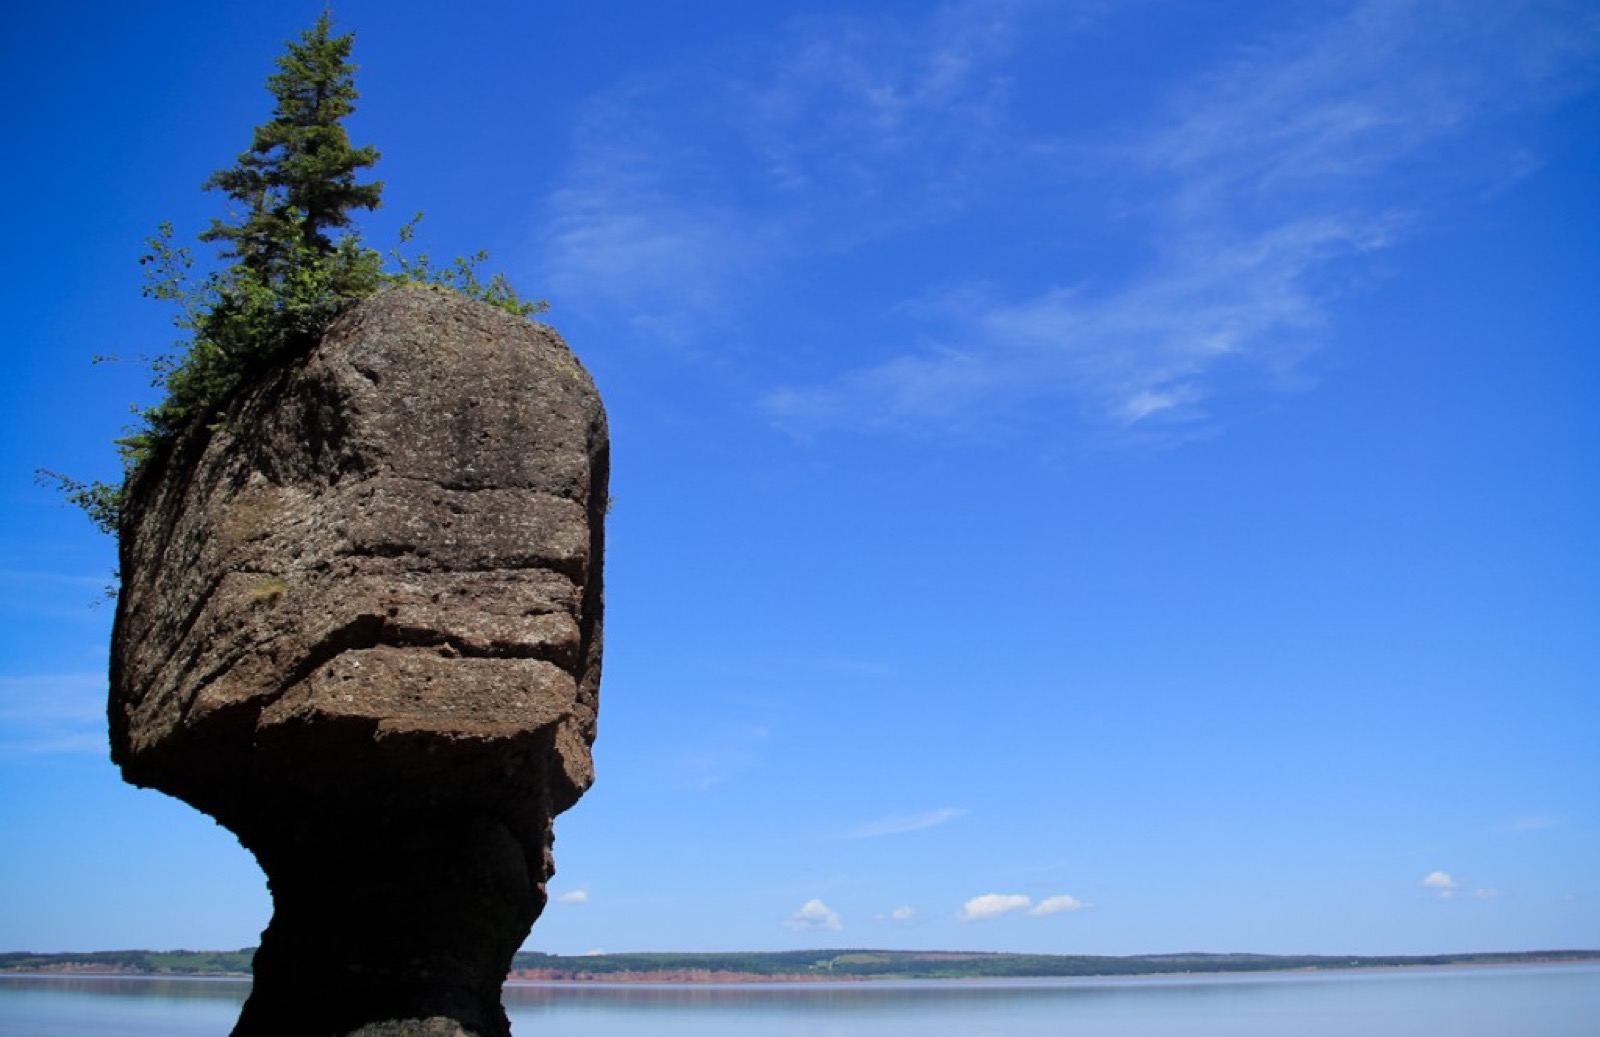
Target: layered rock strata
360,626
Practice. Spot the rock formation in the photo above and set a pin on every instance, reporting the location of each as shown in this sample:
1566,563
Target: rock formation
360,626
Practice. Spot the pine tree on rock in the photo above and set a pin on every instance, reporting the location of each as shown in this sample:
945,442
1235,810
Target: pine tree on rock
293,191
299,177
295,261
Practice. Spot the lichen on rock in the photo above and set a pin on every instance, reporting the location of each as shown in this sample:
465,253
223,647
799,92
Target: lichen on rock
360,625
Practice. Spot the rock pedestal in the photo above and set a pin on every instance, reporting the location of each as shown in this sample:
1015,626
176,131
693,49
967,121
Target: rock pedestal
360,625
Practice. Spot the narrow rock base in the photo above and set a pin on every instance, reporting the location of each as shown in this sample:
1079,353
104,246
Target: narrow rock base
391,931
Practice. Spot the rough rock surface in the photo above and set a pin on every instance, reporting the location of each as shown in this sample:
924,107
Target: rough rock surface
360,626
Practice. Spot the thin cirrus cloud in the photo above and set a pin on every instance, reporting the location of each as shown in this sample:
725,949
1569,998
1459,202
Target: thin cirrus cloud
690,186
1533,823
718,754
53,713
1268,177
900,824
1256,192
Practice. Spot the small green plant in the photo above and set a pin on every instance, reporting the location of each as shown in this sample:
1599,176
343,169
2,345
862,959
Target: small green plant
102,502
460,276
270,589
295,262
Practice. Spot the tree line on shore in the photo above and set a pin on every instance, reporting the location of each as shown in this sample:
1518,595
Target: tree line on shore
798,965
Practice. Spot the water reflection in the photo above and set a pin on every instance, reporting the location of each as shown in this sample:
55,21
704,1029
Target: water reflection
1547,1001
119,1006
1512,1002
167,988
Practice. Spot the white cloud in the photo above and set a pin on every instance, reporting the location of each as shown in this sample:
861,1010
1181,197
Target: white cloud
574,896
899,824
991,905
814,916
1447,887
1057,905
902,914
1439,880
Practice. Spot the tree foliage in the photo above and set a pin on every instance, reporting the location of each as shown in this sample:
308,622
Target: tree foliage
297,260
294,259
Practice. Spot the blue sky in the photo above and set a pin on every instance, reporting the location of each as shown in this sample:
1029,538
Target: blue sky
1100,477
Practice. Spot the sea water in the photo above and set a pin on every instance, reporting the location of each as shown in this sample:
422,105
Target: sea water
1501,1001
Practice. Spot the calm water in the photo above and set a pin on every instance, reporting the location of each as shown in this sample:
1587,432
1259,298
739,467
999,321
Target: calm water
1529,1001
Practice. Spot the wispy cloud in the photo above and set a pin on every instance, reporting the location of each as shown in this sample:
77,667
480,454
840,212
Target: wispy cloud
1213,233
623,239
852,667
717,753
53,713
692,184
1255,192
1151,350
899,824
574,896
814,916
1533,823
62,596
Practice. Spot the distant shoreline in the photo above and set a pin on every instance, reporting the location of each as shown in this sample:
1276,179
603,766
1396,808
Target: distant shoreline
811,979
802,967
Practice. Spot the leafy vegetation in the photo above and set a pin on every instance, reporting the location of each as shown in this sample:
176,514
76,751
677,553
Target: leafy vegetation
294,261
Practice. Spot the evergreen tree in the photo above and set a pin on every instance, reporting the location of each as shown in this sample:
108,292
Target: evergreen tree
297,260
298,180
290,276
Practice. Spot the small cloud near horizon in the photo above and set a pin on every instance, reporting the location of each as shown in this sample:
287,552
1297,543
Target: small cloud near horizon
1439,880
992,905
1447,888
1057,905
814,916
